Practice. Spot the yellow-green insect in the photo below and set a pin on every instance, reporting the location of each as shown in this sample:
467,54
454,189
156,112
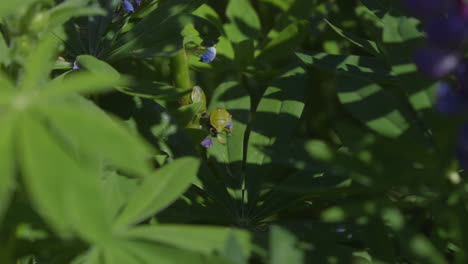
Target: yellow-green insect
220,120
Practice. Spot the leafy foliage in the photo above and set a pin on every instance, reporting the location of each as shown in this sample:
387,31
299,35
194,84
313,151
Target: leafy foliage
333,150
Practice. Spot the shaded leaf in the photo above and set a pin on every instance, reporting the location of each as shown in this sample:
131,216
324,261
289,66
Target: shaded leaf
159,190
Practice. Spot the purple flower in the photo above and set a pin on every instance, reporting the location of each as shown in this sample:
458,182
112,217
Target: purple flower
207,142
447,32
127,7
230,125
463,9
462,77
436,62
462,146
76,66
424,8
138,2
209,55
449,102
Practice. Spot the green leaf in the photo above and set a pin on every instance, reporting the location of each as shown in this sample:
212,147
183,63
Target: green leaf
244,53
285,42
159,190
4,51
96,66
367,45
233,251
363,66
234,98
152,90
116,190
186,113
9,7
63,191
378,109
112,143
277,115
158,34
245,23
80,82
382,7
39,63
71,8
202,239
283,247
284,5
7,181
140,251
208,13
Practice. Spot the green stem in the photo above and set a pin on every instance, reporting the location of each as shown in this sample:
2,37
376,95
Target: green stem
181,75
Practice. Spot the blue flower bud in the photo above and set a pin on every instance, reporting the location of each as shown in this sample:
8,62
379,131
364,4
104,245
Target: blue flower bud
137,2
447,32
449,102
424,8
128,7
209,55
76,66
207,142
436,62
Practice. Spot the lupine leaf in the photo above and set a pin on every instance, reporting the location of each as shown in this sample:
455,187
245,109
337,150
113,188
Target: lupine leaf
159,190
71,204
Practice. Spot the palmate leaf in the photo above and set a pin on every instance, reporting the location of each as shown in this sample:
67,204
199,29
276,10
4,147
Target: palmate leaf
64,192
228,159
159,190
203,239
158,34
276,116
232,97
110,143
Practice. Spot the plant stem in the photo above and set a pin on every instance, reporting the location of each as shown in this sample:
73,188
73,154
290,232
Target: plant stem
181,75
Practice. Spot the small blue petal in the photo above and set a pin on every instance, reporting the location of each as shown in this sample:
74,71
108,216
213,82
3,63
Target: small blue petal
128,7
207,142
230,125
138,2
340,230
75,66
209,55
449,102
